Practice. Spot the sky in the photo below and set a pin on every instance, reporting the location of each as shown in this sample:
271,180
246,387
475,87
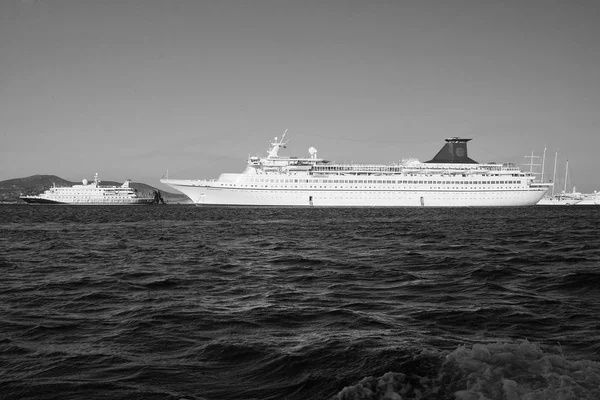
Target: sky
136,89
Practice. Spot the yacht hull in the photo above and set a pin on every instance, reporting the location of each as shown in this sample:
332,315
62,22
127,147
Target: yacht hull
554,202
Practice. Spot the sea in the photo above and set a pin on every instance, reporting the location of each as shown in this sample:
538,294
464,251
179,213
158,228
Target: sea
185,302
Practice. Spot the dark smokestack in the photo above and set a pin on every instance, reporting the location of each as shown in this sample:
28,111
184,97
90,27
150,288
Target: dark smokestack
454,151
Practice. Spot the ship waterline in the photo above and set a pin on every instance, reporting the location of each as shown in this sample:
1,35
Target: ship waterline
451,179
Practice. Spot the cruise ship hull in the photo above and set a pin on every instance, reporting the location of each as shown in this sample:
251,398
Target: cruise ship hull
203,194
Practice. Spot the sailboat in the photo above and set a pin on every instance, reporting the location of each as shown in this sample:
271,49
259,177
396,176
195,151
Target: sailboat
564,198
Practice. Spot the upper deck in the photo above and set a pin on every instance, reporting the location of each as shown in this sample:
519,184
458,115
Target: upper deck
452,159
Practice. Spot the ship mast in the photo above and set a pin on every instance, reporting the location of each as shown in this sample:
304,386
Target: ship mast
566,175
554,176
276,145
531,164
543,162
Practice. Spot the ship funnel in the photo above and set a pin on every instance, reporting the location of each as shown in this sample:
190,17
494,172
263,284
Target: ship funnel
454,151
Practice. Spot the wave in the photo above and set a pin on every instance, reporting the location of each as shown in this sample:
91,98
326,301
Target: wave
502,371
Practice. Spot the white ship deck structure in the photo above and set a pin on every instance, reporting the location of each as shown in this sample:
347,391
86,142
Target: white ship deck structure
590,199
90,193
450,179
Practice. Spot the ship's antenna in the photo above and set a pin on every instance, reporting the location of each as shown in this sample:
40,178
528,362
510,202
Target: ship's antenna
283,136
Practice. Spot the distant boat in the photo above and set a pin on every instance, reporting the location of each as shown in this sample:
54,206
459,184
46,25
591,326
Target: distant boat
91,193
590,199
564,198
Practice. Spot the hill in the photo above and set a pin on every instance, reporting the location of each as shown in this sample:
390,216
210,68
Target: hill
11,189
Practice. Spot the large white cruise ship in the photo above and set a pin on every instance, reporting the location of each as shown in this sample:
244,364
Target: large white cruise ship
91,193
450,179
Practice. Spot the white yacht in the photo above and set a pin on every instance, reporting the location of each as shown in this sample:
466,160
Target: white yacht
91,193
590,199
450,179
562,199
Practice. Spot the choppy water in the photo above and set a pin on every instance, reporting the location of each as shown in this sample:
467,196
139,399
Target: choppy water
181,302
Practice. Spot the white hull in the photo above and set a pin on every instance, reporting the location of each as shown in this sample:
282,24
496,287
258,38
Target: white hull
202,193
590,200
558,202
86,201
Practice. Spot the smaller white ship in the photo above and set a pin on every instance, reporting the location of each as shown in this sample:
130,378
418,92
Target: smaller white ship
91,193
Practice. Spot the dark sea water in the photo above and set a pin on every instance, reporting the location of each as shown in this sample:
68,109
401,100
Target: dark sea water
183,302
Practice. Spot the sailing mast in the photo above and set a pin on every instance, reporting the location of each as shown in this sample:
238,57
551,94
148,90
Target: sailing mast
554,176
531,164
543,162
566,175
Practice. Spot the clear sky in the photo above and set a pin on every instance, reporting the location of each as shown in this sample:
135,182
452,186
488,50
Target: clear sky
131,88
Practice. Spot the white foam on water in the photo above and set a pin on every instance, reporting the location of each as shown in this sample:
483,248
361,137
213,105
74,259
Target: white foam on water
493,371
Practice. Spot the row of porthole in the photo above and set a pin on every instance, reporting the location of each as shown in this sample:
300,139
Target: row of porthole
388,196
384,189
